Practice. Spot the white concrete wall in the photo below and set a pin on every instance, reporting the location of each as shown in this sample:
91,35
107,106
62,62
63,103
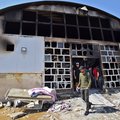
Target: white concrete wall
16,61
19,80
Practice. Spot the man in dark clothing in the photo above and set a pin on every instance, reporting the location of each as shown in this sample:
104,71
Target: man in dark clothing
76,72
84,84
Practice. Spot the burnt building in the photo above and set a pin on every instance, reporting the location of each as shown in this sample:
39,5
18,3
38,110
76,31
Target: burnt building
41,41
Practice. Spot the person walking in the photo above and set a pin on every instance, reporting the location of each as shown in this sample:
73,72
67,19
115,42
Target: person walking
84,84
96,76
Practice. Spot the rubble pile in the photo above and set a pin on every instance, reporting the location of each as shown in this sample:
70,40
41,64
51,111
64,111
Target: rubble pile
104,107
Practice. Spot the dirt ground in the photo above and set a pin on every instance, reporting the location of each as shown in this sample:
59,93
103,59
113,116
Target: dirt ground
67,115
4,114
107,107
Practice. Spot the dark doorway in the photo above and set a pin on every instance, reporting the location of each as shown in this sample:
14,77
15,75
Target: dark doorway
89,63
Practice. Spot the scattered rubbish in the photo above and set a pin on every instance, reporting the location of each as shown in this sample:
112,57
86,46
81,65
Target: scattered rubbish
117,102
17,103
9,104
21,95
59,107
1,105
69,107
36,105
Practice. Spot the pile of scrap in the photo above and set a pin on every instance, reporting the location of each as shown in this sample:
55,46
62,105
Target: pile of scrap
27,99
35,97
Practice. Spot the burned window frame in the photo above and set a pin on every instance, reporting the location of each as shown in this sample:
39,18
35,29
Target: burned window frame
8,31
76,25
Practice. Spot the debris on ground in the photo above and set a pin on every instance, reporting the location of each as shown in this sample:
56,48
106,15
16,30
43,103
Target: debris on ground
17,103
104,107
1,105
59,106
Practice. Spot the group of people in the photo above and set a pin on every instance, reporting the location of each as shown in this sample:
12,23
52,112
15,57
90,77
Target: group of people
83,78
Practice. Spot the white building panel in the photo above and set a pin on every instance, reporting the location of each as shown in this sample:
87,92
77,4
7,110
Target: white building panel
18,61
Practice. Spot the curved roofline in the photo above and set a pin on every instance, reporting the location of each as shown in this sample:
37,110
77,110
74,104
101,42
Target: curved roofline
19,6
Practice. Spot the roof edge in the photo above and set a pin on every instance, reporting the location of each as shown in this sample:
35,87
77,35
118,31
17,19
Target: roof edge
23,5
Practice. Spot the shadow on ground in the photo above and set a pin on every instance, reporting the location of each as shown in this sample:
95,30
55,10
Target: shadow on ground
104,109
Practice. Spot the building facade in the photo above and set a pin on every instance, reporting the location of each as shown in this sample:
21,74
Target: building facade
40,42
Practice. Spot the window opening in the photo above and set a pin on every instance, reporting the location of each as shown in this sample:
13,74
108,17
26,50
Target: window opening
44,17
66,65
65,52
54,44
67,58
60,58
105,23
47,58
110,72
57,51
54,71
94,22
106,65
72,32
44,30
83,21
54,57
79,46
12,28
112,65
108,78
58,65
96,34
58,31
117,36
10,47
79,53
48,51
90,46
30,31
67,45
61,71
48,64
84,33
49,78
58,18
47,44
29,16
60,45
47,71
107,35
70,19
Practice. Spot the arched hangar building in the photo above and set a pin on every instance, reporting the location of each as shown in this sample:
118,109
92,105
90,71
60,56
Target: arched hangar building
41,41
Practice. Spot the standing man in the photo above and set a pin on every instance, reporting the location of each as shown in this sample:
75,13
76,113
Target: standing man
84,84
76,72
96,76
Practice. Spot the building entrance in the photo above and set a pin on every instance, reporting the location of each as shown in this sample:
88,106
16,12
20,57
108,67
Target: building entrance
90,64
86,62
60,58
